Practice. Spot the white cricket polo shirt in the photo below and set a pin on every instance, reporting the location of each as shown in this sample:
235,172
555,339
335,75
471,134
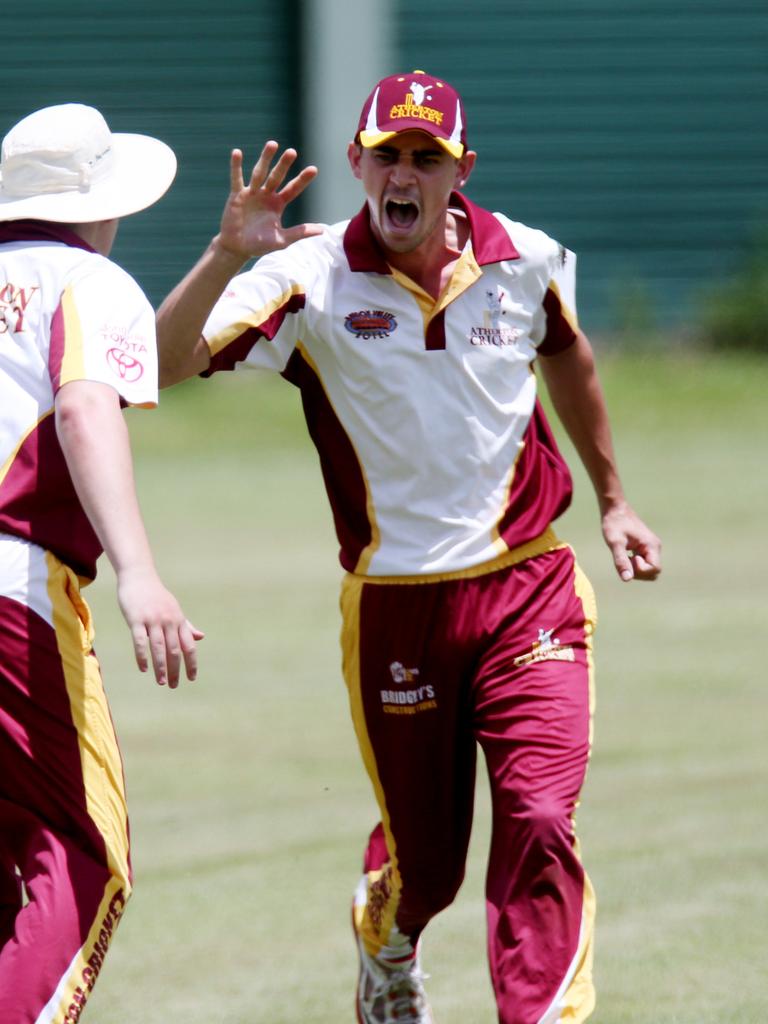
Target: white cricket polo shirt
434,449
66,314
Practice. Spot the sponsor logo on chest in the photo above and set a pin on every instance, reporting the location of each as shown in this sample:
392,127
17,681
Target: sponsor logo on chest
495,330
370,323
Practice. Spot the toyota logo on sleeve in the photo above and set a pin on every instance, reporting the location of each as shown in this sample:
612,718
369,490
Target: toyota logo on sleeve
126,366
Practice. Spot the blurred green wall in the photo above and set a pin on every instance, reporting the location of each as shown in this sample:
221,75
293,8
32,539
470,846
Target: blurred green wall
203,78
634,132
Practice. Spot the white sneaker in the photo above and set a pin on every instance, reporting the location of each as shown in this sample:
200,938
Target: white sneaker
391,992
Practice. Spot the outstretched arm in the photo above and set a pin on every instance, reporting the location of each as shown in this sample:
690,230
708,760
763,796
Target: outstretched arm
94,438
251,226
577,396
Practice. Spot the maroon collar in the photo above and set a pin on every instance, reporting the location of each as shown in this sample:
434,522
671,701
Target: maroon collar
41,231
490,242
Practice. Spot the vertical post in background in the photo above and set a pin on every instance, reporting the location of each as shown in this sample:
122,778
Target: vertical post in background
347,45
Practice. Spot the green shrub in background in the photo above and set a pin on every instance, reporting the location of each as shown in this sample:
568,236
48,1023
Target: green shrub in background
735,314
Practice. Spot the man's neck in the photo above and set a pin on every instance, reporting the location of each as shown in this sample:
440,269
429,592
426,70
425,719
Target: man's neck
431,265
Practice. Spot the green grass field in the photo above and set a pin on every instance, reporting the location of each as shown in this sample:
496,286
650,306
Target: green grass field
249,806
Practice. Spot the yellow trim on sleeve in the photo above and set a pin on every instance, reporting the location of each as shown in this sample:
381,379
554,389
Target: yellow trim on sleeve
256,319
73,357
568,313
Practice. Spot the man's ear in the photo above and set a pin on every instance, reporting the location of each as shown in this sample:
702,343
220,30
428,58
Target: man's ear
354,153
464,168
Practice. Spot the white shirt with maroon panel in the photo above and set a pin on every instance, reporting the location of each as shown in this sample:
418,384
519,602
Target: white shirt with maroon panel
435,451
66,314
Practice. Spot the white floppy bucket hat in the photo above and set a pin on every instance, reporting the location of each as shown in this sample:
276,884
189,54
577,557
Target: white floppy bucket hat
63,164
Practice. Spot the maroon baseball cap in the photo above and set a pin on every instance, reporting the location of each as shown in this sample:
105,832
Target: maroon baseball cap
402,103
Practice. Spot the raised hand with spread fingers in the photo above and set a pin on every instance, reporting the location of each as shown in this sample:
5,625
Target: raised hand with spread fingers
251,226
252,221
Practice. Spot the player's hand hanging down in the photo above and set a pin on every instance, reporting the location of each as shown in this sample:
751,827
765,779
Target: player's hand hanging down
635,548
162,634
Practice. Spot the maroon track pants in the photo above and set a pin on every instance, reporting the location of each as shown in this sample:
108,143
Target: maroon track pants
499,657
65,871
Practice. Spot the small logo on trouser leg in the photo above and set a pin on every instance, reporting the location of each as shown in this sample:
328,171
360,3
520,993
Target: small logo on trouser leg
546,648
410,699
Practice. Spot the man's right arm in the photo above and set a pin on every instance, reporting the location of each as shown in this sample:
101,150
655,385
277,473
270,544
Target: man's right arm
251,226
182,350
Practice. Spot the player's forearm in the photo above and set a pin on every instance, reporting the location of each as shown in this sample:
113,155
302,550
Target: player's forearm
94,439
181,317
579,402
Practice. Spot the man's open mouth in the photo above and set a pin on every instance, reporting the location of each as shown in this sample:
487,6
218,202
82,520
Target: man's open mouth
402,213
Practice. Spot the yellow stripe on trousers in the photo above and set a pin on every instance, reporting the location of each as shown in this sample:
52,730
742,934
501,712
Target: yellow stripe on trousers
373,936
575,1000
102,774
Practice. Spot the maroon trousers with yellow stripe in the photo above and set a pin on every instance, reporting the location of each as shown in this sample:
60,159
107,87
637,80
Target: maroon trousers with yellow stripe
499,657
65,873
